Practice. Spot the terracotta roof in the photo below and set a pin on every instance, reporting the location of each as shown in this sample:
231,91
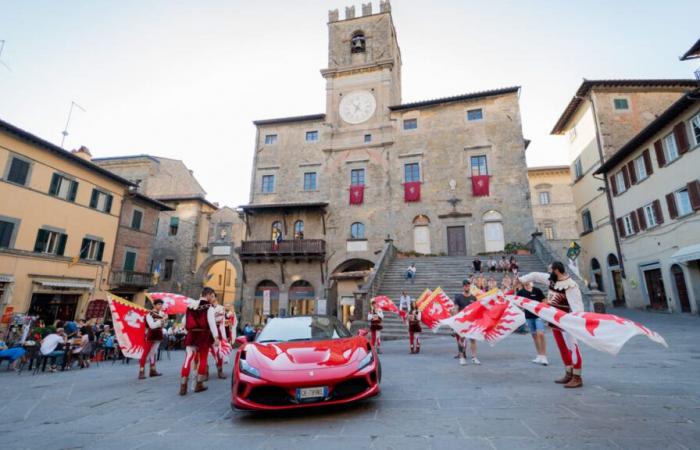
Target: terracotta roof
587,85
456,98
693,52
56,150
152,201
666,118
181,198
308,118
263,206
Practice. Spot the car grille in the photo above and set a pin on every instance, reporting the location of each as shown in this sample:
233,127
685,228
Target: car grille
350,388
269,395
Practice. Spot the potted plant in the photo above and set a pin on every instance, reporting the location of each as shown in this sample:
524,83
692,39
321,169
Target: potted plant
518,248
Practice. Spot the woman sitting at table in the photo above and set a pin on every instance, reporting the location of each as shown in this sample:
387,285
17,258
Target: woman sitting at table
13,354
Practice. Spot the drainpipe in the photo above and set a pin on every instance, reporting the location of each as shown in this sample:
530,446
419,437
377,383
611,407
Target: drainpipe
606,184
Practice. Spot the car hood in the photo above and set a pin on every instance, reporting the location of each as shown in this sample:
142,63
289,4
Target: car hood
306,355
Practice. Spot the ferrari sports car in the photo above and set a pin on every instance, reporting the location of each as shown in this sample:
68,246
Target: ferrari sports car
303,361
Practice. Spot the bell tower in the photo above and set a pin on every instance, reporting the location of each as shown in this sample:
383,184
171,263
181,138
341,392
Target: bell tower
363,77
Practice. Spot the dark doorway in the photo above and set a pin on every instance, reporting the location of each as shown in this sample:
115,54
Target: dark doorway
655,289
619,290
681,288
53,307
456,242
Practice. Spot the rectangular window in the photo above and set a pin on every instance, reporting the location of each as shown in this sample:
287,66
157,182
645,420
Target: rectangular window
310,181
270,139
621,104
479,165
670,148
620,182
411,172
63,187
101,201
136,219
168,270
629,227
50,242
544,198
641,168
357,177
92,249
129,261
475,114
549,232
312,136
6,230
174,226
368,138
695,129
410,124
683,202
649,215
587,221
19,171
578,169
268,183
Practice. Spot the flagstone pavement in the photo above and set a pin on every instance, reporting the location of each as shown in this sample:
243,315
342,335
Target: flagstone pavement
647,397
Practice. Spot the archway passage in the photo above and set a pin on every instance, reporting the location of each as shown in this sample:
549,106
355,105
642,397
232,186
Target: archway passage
681,288
494,240
267,295
301,298
221,276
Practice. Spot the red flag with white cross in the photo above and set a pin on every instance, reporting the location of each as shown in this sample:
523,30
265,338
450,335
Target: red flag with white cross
357,194
411,191
480,186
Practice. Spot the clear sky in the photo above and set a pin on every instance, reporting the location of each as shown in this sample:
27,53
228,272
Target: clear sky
185,79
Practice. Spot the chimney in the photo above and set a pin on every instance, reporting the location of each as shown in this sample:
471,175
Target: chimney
83,153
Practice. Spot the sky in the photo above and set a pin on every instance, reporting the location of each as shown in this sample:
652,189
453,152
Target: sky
185,79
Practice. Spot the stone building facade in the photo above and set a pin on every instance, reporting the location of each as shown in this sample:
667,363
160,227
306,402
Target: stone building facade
306,168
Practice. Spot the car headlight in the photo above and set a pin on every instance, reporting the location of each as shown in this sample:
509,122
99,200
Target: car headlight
248,369
366,361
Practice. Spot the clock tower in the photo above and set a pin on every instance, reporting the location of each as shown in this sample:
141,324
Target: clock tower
363,77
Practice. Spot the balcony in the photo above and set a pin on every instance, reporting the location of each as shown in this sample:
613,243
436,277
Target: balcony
128,279
309,249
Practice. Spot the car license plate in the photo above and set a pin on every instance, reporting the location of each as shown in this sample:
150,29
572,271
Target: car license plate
312,393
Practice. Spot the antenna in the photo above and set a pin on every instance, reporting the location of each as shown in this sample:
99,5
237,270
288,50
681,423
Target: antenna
70,113
2,46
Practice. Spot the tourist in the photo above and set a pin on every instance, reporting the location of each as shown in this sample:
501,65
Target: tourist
70,327
493,264
565,295
200,324
491,284
155,319
404,305
503,264
411,273
477,265
513,266
462,300
375,317
49,347
534,323
249,332
81,347
414,328
13,354
481,282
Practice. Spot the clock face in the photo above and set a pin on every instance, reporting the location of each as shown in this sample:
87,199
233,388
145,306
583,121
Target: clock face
356,107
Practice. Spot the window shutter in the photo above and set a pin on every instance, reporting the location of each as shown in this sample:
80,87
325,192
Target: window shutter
694,194
681,138
626,177
41,237
635,223
108,204
632,171
660,157
658,215
62,238
642,220
19,169
93,198
55,180
100,251
613,185
671,201
647,162
621,227
84,247
73,191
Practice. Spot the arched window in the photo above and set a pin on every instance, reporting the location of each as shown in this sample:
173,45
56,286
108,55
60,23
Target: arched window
357,231
276,230
357,43
261,308
612,260
596,274
299,229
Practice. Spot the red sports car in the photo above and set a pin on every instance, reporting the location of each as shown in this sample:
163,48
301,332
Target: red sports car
298,362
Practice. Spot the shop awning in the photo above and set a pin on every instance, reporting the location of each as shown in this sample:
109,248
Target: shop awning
6,278
689,253
75,284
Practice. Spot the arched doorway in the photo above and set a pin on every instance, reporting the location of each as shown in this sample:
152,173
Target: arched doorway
421,234
267,297
493,231
681,288
221,276
301,298
596,274
616,277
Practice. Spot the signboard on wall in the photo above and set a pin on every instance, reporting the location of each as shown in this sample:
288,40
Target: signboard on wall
221,250
266,302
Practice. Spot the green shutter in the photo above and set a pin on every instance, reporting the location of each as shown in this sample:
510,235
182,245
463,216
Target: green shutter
136,220
129,261
108,204
73,191
62,238
19,170
84,247
55,181
41,238
100,251
6,229
93,198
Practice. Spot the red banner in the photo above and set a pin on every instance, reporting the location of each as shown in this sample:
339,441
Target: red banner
411,191
385,304
357,194
172,303
480,186
129,325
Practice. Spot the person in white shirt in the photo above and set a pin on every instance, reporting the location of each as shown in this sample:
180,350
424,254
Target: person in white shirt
411,273
404,305
49,345
202,333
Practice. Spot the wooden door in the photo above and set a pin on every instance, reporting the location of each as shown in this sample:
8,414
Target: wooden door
619,290
655,289
456,241
681,288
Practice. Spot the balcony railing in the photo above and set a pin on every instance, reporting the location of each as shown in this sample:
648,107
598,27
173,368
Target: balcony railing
126,278
298,248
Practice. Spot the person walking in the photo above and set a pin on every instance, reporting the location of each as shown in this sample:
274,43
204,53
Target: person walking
411,273
375,317
155,319
462,300
200,324
534,323
565,295
414,328
404,305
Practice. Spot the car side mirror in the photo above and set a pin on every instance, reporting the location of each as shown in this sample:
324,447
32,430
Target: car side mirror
362,332
241,341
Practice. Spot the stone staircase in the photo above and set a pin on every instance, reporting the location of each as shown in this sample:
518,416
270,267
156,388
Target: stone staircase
446,272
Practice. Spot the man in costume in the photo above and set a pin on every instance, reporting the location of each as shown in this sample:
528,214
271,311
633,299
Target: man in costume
462,300
220,319
155,319
375,317
200,323
565,295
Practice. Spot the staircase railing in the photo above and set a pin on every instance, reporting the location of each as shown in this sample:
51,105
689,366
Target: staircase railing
374,281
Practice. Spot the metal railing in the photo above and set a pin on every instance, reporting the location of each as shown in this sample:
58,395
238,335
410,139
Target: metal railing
296,247
374,281
131,279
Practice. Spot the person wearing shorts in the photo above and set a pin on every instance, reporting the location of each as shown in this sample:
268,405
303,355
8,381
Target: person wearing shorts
534,323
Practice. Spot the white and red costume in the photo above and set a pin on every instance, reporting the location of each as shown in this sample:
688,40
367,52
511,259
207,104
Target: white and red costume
566,296
200,323
219,319
375,318
414,330
155,321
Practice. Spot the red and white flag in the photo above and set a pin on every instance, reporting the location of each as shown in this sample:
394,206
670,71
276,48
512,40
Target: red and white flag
224,350
480,186
357,194
604,332
435,308
411,191
129,320
490,319
172,303
385,304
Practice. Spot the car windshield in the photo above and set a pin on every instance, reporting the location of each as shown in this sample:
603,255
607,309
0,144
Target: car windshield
307,328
